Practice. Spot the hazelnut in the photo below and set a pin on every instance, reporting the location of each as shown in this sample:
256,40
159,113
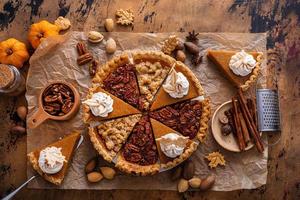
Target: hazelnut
195,182
180,46
22,112
180,56
109,25
207,183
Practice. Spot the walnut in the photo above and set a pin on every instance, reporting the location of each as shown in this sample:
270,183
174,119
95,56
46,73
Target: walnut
215,159
170,44
125,17
62,23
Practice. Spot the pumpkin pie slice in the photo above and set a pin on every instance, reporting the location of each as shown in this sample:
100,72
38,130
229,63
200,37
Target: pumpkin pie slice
151,70
160,131
162,98
139,155
67,146
110,135
119,107
221,58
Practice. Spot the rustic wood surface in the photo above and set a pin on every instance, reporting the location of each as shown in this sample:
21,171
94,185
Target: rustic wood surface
280,18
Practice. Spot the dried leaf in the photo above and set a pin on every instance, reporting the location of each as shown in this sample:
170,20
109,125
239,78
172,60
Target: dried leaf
170,44
215,159
124,17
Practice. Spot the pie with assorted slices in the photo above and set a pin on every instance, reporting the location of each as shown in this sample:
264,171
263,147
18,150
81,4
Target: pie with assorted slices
241,68
110,135
160,95
65,147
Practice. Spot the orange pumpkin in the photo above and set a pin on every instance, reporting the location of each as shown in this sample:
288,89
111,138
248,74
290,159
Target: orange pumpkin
41,30
13,52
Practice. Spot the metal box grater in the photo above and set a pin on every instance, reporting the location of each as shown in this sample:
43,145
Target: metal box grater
268,110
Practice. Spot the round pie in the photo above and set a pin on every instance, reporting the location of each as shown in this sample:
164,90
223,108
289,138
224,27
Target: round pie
133,133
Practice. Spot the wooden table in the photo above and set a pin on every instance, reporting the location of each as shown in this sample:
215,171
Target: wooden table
279,18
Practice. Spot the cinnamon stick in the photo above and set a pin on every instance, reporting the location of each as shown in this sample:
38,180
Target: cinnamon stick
252,108
237,123
249,121
245,131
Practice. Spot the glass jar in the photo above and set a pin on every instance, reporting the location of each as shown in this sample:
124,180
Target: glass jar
12,82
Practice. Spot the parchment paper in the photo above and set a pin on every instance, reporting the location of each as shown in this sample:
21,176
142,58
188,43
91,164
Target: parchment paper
55,59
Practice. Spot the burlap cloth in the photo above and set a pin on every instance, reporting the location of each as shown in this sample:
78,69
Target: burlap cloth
55,59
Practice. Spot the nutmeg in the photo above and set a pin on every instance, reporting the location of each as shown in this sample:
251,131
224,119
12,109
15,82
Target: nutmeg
94,177
22,112
111,46
108,173
226,129
109,25
192,48
180,56
207,183
183,185
223,119
188,170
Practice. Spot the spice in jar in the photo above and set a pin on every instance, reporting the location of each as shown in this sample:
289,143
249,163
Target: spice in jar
12,82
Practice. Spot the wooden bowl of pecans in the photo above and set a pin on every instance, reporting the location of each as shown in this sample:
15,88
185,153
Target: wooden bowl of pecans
58,100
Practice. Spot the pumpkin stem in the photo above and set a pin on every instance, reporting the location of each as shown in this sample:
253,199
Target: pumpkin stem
40,35
9,51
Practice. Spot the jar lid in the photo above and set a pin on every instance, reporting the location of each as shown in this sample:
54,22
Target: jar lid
6,76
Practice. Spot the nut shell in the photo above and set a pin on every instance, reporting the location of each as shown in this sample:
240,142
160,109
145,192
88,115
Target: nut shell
108,173
183,185
95,37
94,177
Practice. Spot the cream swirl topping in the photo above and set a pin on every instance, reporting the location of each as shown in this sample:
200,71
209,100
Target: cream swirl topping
51,160
172,144
176,85
100,104
242,63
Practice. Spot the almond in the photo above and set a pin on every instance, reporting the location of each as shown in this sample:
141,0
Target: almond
207,183
195,182
108,173
183,185
94,177
91,165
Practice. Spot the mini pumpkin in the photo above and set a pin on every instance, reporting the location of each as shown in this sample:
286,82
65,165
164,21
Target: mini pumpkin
13,52
41,30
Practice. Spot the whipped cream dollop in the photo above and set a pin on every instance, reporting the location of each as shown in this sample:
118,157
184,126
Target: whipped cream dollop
242,63
51,160
100,104
172,144
176,85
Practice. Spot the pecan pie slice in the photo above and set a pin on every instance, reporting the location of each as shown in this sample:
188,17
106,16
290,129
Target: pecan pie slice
162,98
110,135
139,155
190,118
151,70
160,130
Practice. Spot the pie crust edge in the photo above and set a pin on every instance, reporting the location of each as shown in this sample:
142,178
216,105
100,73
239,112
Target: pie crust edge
205,116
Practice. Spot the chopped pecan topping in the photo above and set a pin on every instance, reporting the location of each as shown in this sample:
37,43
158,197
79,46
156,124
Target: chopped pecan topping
58,99
140,147
183,117
123,84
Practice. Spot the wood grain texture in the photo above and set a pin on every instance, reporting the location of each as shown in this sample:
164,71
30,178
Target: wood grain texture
280,18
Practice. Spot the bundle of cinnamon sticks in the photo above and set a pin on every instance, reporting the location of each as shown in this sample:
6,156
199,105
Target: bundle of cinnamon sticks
243,119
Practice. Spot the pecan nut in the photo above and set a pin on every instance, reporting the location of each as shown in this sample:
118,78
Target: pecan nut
93,68
81,48
84,59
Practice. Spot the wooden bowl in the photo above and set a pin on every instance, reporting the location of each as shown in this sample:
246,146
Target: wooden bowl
228,142
41,115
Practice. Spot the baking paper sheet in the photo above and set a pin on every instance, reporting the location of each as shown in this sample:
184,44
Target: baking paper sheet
55,59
